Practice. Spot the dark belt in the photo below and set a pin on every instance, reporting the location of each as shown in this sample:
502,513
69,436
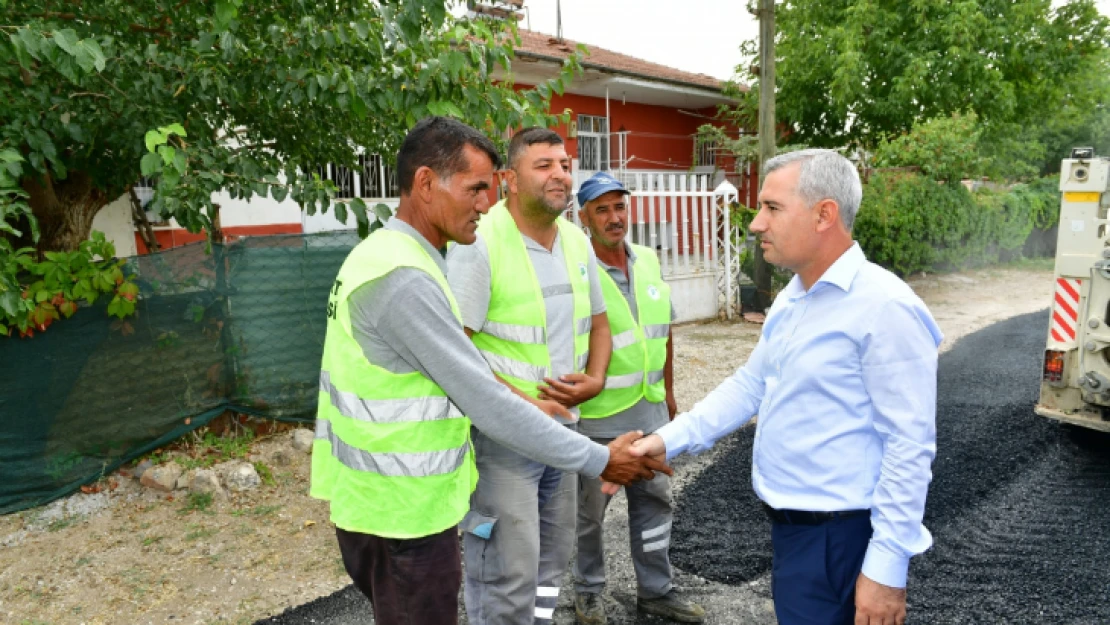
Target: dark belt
809,517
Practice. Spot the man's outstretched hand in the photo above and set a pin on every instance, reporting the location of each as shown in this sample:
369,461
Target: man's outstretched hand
650,446
628,464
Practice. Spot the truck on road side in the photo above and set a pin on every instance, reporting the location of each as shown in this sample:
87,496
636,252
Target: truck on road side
1075,381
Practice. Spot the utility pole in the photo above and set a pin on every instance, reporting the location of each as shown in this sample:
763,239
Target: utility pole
766,14
558,20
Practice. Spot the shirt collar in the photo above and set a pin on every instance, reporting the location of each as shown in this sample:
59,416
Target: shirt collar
628,252
437,255
839,274
844,270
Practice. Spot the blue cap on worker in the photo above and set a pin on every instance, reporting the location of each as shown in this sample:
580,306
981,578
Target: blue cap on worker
598,185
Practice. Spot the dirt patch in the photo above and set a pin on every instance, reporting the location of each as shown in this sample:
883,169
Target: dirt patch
153,557
131,555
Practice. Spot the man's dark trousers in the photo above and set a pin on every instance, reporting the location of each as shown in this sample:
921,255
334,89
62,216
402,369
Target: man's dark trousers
408,581
813,578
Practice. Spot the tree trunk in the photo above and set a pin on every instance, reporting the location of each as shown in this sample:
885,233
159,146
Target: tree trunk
142,224
64,209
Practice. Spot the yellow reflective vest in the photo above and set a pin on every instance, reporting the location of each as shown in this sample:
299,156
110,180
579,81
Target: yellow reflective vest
391,454
639,349
513,339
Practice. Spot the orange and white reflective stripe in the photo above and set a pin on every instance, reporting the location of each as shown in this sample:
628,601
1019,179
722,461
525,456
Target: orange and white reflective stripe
1065,310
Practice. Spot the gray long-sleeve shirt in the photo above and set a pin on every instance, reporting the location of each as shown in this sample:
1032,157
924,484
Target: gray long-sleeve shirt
403,322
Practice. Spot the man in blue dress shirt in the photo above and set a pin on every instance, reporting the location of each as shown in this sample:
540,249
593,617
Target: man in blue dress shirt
844,382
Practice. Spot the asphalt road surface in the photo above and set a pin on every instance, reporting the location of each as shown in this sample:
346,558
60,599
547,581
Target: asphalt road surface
1019,509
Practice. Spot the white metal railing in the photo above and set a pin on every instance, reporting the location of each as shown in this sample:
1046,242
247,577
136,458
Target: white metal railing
686,221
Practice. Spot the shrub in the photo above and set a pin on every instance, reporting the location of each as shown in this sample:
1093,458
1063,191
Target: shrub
909,223
943,148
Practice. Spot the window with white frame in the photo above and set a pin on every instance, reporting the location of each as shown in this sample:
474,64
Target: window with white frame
593,142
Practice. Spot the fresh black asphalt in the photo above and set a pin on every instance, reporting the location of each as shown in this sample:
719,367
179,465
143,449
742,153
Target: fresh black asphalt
1019,506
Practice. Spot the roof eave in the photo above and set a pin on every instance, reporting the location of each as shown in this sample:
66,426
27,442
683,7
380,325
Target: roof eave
620,72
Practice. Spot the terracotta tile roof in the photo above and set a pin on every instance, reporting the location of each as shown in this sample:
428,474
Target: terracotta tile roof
539,44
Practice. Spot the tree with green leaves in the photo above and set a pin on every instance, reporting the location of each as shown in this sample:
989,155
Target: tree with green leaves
1082,120
853,72
249,97
245,97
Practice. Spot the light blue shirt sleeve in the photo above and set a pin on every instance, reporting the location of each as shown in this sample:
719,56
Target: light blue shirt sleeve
844,379
728,407
899,362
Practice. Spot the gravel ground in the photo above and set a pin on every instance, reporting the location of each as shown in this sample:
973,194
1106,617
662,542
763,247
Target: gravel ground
1018,507
137,557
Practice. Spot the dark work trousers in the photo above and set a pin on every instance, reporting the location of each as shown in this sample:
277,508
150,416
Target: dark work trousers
408,581
813,577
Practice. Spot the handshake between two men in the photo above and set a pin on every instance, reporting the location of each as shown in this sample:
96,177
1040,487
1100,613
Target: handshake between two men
628,462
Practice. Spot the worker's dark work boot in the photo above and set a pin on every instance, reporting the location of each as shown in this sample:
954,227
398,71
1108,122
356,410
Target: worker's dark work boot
673,607
589,609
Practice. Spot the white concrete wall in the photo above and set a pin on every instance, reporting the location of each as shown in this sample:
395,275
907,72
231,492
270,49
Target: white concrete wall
694,297
114,220
326,222
258,211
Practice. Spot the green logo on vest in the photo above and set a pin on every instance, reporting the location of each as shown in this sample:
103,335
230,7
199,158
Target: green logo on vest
652,292
582,270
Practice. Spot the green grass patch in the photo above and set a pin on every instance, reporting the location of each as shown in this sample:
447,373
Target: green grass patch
256,511
197,532
1043,263
197,502
61,524
264,473
210,449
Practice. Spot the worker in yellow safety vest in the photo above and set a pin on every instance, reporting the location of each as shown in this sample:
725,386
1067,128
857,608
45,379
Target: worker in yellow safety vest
638,395
401,386
530,298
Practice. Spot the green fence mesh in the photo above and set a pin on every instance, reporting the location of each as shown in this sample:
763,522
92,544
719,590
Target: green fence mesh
240,328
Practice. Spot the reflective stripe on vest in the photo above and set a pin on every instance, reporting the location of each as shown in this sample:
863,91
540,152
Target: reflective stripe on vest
639,349
629,380
388,410
505,366
392,454
391,464
528,335
624,339
513,338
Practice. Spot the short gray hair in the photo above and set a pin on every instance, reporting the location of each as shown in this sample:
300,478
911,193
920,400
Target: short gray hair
824,175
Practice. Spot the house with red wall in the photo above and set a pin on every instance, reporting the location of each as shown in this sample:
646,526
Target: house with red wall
627,115
631,117
636,119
